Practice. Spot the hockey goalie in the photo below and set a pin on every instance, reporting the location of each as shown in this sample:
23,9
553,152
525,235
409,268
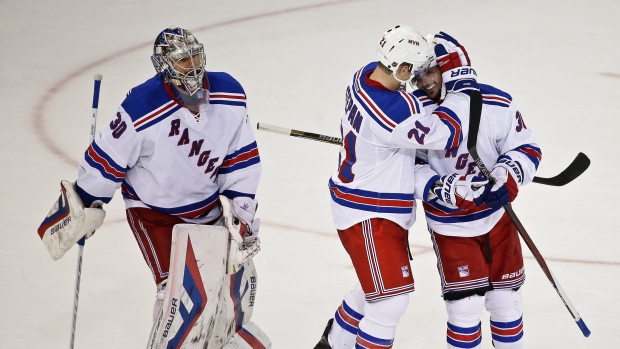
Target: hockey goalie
181,149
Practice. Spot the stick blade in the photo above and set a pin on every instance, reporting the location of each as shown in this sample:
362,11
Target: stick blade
577,167
574,170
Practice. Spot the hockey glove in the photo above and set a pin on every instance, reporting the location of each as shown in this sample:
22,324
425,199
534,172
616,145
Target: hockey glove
464,192
244,209
454,63
68,221
507,175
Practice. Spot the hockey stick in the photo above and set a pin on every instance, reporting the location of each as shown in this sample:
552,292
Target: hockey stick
475,111
574,170
93,127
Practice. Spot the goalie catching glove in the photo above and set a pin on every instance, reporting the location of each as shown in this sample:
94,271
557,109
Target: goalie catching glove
454,63
239,219
68,221
464,192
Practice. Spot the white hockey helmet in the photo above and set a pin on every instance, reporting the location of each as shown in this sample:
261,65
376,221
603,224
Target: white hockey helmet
402,44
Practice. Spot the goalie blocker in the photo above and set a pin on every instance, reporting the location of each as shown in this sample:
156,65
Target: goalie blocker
202,305
68,221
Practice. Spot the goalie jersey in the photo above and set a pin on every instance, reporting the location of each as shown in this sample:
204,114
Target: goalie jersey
163,159
381,130
502,133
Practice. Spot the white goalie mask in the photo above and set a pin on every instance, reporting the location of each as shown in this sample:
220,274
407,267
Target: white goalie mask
172,46
402,44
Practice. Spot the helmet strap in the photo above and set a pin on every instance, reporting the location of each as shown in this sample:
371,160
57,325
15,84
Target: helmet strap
394,72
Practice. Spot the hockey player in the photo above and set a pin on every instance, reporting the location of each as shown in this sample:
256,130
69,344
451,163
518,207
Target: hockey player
182,150
478,250
373,191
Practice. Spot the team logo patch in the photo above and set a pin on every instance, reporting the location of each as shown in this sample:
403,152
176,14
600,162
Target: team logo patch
463,271
405,270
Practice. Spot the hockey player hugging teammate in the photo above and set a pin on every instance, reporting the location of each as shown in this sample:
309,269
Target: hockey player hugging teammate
182,150
374,189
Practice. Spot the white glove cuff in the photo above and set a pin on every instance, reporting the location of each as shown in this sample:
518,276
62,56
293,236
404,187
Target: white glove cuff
244,208
509,167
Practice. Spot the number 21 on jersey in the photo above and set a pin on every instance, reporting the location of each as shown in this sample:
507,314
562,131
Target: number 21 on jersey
345,173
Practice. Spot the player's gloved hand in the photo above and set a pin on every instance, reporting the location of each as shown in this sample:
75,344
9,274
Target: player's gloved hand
98,206
454,63
507,175
464,192
89,208
244,209
243,228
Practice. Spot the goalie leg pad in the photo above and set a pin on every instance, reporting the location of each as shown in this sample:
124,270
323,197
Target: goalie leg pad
236,304
196,276
68,221
203,305
249,336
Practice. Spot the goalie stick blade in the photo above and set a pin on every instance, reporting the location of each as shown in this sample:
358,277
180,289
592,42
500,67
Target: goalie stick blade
574,170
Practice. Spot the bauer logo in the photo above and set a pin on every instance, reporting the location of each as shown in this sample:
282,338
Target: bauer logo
513,274
252,290
60,225
463,271
462,71
171,315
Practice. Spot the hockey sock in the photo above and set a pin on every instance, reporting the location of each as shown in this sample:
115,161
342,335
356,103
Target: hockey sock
463,337
464,322
345,327
373,335
378,327
347,318
506,306
507,335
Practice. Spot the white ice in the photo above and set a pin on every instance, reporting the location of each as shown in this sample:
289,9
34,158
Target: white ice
560,60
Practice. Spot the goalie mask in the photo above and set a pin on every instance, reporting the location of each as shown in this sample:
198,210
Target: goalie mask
402,44
179,59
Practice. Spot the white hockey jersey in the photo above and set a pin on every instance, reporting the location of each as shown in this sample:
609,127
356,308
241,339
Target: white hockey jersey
502,132
381,131
163,159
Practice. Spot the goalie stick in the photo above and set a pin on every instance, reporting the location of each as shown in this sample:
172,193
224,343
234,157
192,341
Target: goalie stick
93,126
579,165
475,111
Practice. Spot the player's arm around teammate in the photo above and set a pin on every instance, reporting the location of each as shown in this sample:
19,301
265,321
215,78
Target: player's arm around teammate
374,189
